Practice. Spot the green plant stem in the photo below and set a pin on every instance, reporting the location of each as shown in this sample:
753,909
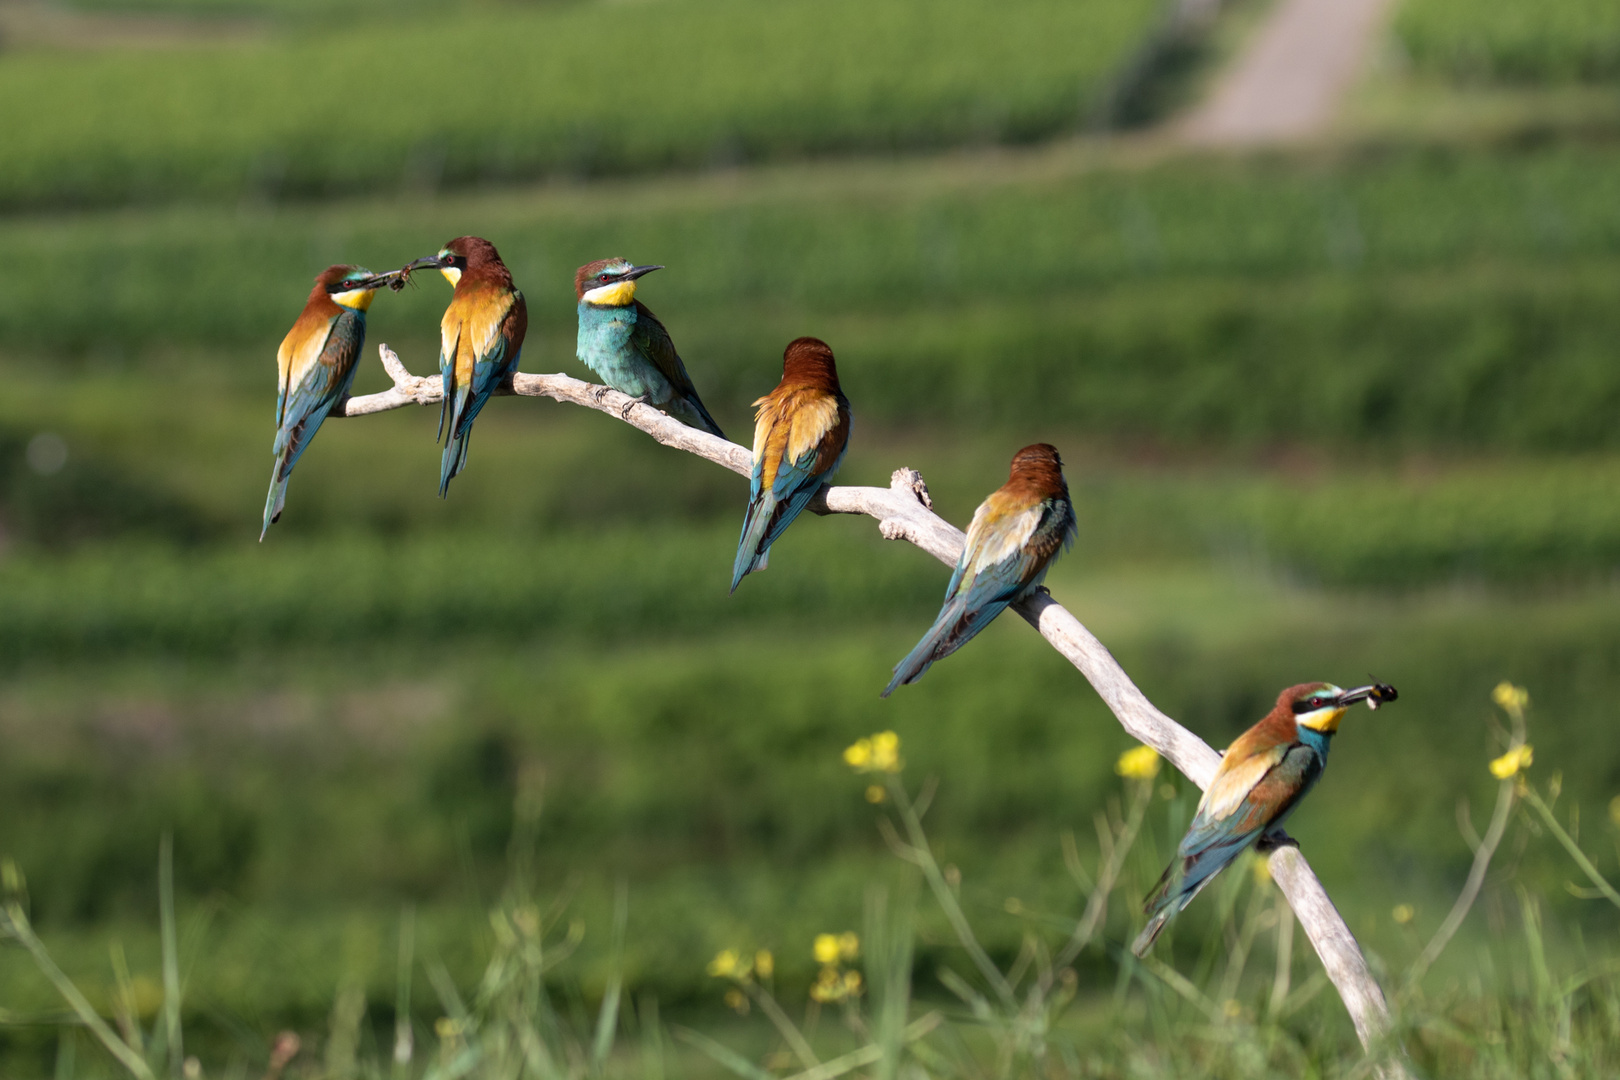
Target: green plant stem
16,924
767,1005
923,857
171,953
1465,899
1533,797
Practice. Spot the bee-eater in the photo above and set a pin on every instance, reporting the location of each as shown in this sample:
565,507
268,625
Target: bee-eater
1262,777
1012,541
801,431
481,338
628,347
315,368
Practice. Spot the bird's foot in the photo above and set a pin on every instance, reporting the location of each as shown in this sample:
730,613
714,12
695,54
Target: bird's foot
599,393
1273,840
624,413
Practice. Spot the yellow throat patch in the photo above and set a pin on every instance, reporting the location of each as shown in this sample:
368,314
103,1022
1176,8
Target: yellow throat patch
618,294
451,274
354,299
1325,720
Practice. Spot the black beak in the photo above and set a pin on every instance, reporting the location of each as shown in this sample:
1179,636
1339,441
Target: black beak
637,271
1375,695
423,263
375,281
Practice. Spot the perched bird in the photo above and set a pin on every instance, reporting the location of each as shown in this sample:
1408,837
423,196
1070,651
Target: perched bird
481,338
1014,536
1262,777
315,368
801,430
628,347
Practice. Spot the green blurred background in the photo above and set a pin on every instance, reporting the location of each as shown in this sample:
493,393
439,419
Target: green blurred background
1329,410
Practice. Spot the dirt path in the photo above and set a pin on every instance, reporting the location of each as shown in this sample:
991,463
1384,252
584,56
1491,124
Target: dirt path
1288,82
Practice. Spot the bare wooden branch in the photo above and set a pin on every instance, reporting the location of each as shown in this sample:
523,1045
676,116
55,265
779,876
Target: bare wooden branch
904,511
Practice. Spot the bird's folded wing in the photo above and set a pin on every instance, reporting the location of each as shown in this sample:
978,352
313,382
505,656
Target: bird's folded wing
1234,781
652,341
323,379
301,350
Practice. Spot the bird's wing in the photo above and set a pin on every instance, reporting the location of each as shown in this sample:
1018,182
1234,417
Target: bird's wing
300,350
319,374
496,326
996,558
1248,798
1236,777
814,432
649,338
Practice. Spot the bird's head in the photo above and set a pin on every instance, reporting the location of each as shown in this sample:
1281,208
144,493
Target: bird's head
809,361
348,286
1320,706
458,256
609,282
1039,467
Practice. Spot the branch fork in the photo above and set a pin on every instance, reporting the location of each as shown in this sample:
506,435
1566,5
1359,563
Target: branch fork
904,511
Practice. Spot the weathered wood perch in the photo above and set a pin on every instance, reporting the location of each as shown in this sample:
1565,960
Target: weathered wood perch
905,512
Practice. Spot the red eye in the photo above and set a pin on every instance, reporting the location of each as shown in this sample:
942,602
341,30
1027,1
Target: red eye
602,277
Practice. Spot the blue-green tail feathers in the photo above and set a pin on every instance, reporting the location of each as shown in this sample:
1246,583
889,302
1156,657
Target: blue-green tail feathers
697,416
956,625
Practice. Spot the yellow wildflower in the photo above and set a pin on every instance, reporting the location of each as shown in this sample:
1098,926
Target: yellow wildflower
875,794
1513,762
886,752
1233,1008
826,948
725,964
1141,763
852,983
829,986
849,946
1261,868
446,1028
1614,811
765,963
1403,913
1509,697
737,1000
879,753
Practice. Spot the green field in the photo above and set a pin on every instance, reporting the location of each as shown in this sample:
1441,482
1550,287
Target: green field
1325,414
1559,41
492,95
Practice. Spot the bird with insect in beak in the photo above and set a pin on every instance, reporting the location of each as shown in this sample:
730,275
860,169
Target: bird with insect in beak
1262,777
481,339
315,368
801,431
1014,536
629,348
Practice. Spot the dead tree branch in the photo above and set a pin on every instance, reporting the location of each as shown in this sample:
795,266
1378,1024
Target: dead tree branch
904,512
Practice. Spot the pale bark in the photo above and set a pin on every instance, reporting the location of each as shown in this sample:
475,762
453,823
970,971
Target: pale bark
905,512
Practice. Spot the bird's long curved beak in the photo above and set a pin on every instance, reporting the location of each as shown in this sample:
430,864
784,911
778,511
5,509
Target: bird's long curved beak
1374,695
375,281
637,271
423,263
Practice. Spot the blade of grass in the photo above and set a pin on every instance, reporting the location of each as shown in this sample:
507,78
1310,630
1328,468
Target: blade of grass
723,1055
607,1020
15,923
171,954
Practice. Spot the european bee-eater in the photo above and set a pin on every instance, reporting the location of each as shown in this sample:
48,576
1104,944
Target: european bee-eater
315,368
628,347
481,338
1263,776
801,430
1012,541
